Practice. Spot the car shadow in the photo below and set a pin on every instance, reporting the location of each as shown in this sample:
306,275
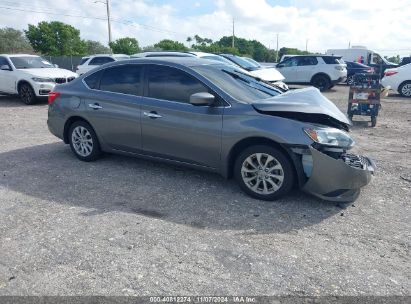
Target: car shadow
123,184
13,101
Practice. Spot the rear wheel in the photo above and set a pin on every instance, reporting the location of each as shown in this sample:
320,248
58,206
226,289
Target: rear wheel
373,121
322,82
405,89
83,141
26,94
264,172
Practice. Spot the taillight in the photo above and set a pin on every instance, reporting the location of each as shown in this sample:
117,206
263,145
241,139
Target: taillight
390,73
53,96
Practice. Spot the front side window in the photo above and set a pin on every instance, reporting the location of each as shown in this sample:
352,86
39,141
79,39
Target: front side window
125,79
291,62
172,84
100,60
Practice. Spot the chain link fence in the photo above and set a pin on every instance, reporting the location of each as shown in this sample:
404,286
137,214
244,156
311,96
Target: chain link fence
65,62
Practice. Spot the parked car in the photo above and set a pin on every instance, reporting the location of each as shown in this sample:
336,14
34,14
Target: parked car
321,71
90,62
210,56
269,74
30,76
405,60
212,116
355,68
398,79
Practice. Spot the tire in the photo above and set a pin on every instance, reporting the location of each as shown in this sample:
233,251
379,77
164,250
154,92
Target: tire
405,89
83,141
252,175
322,82
26,94
373,121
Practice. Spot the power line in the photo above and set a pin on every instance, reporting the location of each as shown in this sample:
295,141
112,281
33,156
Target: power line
125,22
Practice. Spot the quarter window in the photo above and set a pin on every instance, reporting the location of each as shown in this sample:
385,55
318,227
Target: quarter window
93,79
172,84
124,79
100,60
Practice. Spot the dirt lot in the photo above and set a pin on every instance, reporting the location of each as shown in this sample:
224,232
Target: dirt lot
124,226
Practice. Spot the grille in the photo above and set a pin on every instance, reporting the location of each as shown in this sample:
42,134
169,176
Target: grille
60,80
356,161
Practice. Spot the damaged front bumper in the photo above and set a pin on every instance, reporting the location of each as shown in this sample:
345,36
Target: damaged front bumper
338,179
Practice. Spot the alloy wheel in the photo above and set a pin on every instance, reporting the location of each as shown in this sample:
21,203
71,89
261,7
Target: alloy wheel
262,173
406,90
26,94
82,141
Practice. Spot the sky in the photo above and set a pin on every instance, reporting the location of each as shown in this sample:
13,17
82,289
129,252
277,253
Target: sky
383,26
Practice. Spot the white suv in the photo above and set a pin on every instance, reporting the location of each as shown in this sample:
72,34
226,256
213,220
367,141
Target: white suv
321,71
30,76
90,62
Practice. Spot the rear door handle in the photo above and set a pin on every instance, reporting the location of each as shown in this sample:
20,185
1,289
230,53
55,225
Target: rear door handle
94,106
152,114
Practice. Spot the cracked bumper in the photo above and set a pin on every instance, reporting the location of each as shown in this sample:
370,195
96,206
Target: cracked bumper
338,180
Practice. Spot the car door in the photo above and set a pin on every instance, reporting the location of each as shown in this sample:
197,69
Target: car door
289,69
306,68
113,106
7,77
173,128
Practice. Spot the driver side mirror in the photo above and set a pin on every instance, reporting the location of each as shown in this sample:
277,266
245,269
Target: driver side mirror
5,67
280,65
202,99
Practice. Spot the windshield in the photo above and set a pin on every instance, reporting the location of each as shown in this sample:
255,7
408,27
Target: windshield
257,65
245,64
30,62
219,58
242,87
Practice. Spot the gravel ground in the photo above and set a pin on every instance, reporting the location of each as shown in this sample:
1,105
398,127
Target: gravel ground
124,226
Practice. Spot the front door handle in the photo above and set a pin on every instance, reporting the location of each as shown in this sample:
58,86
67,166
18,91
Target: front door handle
94,106
152,114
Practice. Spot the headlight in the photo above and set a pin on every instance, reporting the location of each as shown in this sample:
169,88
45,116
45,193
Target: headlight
330,137
40,79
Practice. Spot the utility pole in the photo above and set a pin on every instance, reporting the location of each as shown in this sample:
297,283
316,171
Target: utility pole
108,21
276,55
232,42
107,3
306,45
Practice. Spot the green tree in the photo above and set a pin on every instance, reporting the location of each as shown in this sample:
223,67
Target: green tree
55,38
95,47
170,45
290,51
14,41
125,45
394,59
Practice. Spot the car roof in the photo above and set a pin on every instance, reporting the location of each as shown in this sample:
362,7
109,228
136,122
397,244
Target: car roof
162,53
202,54
19,55
108,55
182,61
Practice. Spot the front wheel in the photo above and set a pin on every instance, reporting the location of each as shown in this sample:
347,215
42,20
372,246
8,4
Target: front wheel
264,172
405,89
350,80
26,94
83,141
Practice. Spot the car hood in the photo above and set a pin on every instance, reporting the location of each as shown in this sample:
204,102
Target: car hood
49,72
305,105
268,74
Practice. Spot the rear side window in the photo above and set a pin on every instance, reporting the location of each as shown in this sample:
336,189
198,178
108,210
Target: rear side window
331,60
93,79
100,60
302,61
172,84
124,79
